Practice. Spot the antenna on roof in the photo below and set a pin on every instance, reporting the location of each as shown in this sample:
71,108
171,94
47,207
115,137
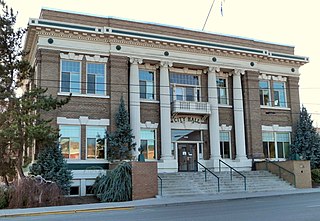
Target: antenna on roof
210,12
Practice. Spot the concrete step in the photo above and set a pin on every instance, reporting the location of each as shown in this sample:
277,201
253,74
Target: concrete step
174,184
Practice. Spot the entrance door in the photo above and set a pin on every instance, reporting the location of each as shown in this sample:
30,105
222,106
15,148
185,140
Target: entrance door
187,154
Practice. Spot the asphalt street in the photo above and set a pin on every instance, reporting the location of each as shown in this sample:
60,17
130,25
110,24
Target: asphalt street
304,207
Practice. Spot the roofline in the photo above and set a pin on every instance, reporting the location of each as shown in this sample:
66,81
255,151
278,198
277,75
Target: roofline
165,25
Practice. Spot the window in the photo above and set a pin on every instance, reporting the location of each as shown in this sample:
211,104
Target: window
222,91
95,142
70,76
146,79
279,95
148,144
70,141
96,83
184,87
276,144
264,92
225,147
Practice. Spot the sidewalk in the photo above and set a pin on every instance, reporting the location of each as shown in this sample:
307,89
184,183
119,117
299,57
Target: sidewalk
160,201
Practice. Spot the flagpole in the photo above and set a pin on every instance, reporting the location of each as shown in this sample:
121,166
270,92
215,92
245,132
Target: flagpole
208,15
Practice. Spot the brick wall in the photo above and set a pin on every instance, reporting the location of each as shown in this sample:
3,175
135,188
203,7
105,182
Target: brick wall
160,29
144,180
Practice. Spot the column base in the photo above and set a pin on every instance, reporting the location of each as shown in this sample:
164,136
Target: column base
167,166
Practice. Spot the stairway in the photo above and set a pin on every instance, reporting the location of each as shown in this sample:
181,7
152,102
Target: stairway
190,183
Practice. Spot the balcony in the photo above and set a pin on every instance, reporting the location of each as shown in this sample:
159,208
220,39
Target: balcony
190,107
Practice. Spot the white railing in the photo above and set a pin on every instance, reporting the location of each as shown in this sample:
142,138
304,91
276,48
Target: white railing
190,107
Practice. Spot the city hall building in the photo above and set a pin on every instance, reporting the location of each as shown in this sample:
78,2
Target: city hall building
191,95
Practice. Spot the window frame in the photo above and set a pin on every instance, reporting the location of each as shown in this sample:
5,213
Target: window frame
268,89
61,73
196,88
155,143
226,90
79,137
284,94
275,143
222,144
96,83
105,144
146,85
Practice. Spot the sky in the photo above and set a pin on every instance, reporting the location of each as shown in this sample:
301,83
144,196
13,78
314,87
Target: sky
287,22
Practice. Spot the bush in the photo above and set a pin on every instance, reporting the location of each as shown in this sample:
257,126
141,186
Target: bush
4,201
315,175
34,192
52,166
116,185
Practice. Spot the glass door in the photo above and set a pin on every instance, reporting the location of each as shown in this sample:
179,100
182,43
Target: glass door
187,154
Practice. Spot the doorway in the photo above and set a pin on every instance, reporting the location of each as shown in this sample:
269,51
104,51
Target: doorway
187,154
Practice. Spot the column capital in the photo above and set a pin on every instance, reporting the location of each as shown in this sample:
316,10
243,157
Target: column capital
238,71
166,63
214,69
136,60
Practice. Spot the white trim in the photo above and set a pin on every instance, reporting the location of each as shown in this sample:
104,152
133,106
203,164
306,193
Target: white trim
83,95
265,77
189,125
154,82
149,101
224,106
83,120
276,128
185,70
224,127
149,125
71,56
225,77
279,78
96,58
275,108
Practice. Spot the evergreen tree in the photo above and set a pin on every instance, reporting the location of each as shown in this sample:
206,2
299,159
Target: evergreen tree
306,142
52,166
21,101
120,141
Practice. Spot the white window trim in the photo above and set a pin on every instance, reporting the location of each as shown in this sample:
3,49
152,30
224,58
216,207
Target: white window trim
71,56
105,79
83,120
70,79
277,129
83,95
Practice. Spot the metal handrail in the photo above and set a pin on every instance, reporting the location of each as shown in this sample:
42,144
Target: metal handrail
281,168
160,184
231,168
205,174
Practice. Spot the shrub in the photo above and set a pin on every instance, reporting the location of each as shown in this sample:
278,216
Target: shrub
315,174
116,185
34,192
52,166
4,201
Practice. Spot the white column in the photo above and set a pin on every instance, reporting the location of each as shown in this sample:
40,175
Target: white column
239,115
165,111
135,103
214,133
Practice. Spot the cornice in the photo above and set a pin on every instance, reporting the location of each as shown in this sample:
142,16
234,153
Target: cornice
106,35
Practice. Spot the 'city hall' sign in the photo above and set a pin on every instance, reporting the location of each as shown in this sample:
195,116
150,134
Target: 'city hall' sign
191,119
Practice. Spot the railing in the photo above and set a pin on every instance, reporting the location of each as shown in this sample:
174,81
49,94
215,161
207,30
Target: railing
205,174
160,185
280,168
232,169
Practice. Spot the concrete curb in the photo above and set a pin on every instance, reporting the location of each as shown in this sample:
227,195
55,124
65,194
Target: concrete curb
153,202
